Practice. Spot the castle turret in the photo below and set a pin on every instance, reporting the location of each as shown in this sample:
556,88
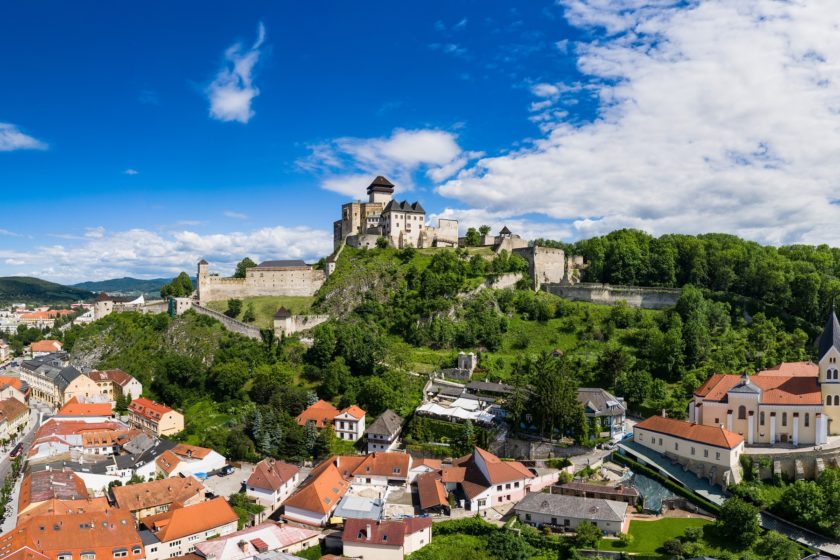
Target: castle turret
201,277
380,190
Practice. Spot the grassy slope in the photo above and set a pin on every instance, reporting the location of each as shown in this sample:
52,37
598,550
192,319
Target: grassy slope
15,289
266,307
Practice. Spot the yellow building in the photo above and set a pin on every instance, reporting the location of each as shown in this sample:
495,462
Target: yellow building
796,403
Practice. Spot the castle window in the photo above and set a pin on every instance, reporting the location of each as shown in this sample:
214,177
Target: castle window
742,412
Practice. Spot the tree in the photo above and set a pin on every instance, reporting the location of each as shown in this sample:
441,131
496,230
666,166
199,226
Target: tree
738,522
324,443
774,546
243,266
229,379
244,508
614,361
472,239
587,535
121,404
506,545
803,502
381,243
234,307
484,229
335,377
181,286
250,314
466,439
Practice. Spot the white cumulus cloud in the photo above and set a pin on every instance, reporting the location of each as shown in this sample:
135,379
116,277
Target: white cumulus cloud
722,115
11,138
233,90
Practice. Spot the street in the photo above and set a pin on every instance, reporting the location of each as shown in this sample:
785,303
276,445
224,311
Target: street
35,411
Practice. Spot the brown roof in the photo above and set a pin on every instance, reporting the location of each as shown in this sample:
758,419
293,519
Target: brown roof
453,474
148,409
181,522
42,486
384,464
499,471
191,451
167,462
322,491
431,491
74,408
117,376
382,533
45,346
716,436
433,464
271,474
15,382
65,507
776,387
12,409
794,369
321,412
136,497
354,411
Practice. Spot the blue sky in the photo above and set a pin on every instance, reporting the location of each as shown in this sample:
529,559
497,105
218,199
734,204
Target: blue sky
136,139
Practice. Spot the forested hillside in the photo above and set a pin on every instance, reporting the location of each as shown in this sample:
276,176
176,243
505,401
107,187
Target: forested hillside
24,289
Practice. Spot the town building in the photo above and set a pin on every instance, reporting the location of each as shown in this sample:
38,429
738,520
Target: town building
14,388
384,433
14,418
565,513
44,347
39,487
711,452
115,383
5,351
54,382
87,535
155,418
269,278
402,224
432,493
69,438
178,530
44,319
615,492
318,495
261,542
371,539
91,412
158,496
271,483
183,460
795,403
348,424
604,412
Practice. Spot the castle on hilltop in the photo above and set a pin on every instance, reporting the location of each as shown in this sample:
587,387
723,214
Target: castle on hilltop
403,224
269,278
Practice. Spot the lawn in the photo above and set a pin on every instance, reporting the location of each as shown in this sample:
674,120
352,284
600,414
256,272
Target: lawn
448,547
266,306
648,536
202,417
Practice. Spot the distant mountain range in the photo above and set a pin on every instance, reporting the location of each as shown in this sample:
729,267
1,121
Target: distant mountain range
24,289
127,285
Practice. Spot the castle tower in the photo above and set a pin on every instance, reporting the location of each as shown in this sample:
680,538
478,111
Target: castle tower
381,190
828,359
201,277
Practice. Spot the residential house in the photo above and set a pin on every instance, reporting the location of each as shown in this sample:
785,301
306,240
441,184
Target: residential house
271,483
178,530
5,351
91,412
384,433
558,511
422,466
155,418
317,496
45,486
43,319
604,412
60,437
14,418
349,424
13,388
432,493
54,383
711,452
183,460
44,347
383,469
258,542
85,535
115,383
158,496
370,539
615,492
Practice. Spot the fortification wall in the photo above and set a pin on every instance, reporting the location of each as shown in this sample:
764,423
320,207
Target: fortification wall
545,265
230,324
293,282
298,323
503,281
606,294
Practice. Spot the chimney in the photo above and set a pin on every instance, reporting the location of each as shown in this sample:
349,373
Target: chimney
369,532
664,413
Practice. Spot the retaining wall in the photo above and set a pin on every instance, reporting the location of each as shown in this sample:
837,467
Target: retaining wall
230,324
606,294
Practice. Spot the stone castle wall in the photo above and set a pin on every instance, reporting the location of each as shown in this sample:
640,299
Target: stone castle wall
545,265
298,323
230,324
606,294
292,282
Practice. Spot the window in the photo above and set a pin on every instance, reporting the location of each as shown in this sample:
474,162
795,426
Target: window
516,485
122,553
784,418
88,556
499,488
761,418
807,419
836,400
742,412
692,451
507,486
676,446
717,456
705,453
828,400
527,517
396,470
717,421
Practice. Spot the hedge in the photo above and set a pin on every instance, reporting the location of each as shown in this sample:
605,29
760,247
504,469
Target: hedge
668,483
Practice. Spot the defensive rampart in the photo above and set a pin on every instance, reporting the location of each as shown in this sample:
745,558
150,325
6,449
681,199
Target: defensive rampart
606,294
230,324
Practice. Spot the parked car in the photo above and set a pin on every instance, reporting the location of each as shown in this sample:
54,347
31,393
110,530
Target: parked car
16,451
226,470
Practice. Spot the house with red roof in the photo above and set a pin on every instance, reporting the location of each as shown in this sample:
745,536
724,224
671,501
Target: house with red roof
711,452
155,418
44,347
178,530
371,539
271,483
349,423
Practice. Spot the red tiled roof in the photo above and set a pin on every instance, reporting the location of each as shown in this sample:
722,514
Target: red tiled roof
74,408
181,522
502,471
134,497
167,462
794,369
431,491
382,533
117,376
322,491
710,435
148,409
384,464
321,412
46,346
15,382
776,388
191,451
271,474
354,411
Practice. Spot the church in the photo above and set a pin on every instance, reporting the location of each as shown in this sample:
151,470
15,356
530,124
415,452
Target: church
795,403
403,224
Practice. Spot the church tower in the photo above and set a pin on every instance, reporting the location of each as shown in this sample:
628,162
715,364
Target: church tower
828,359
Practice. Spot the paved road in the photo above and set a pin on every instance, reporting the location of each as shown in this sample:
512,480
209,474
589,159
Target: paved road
6,464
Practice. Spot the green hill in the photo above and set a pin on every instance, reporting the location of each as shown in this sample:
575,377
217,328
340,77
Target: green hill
126,285
24,289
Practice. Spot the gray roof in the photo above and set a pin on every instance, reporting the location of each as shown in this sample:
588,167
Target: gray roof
599,402
744,386
64,377
404,206
388,424
140,459
297,263
356,507
488,387
576,507
830,336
